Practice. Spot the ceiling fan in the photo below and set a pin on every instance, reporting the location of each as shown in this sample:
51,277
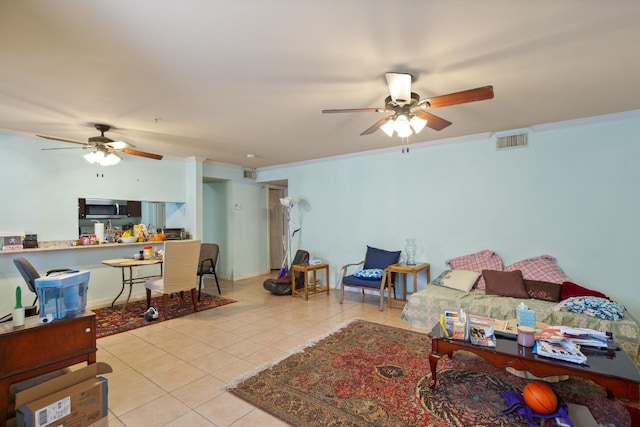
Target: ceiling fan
103,148
409,112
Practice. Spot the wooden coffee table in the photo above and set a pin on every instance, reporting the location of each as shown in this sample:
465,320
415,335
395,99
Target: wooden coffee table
613,370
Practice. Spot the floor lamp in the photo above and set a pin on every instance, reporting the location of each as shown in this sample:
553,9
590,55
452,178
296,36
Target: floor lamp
287,203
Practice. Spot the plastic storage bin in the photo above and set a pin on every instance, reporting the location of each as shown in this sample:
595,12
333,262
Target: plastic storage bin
62,295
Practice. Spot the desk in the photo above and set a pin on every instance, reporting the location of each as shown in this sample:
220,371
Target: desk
126,263
405,269
306,268
36,349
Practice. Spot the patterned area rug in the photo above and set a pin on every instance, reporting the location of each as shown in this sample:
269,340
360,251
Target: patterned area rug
368,374
109,320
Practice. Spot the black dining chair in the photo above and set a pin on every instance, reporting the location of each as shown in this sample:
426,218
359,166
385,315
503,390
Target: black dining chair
207,264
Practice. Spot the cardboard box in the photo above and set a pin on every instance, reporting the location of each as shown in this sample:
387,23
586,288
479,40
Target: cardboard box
76,399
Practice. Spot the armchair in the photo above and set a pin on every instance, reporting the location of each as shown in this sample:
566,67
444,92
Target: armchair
373,274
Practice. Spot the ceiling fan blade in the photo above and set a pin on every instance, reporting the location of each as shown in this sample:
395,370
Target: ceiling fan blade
141,154
64,148
471,95
355,110
399,87
433,122
376,126
55,138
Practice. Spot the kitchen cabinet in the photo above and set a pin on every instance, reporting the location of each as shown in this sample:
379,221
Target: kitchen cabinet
81,208
134,208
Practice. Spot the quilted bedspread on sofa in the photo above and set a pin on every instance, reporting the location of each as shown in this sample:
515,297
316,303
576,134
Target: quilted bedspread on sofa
424,307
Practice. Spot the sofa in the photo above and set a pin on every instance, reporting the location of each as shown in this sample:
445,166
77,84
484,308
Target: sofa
497,291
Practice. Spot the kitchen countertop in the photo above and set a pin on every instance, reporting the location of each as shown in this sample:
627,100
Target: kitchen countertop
61,245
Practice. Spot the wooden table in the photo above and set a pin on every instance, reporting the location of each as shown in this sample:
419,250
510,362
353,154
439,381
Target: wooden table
128,264
36,349
306,269
613,370
404,269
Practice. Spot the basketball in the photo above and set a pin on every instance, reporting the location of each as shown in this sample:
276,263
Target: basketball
540,397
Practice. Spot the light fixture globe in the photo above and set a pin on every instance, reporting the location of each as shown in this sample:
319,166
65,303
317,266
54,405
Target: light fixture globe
402,126
417,123
389,127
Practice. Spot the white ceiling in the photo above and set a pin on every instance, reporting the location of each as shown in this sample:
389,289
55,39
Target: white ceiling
228,78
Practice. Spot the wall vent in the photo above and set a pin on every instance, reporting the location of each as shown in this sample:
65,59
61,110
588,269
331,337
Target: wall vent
249,174
511,141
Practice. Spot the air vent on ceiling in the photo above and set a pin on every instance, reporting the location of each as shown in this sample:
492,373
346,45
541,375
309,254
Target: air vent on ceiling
511,141
249,174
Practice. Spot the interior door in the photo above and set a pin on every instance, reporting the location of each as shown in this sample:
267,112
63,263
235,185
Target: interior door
276,228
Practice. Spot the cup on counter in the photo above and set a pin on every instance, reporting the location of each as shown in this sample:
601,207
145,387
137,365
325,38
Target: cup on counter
138,256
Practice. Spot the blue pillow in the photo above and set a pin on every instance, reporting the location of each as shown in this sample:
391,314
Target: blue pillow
369,274
379,258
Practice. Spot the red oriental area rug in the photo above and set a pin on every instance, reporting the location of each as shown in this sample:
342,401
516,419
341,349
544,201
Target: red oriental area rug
367,374
109,320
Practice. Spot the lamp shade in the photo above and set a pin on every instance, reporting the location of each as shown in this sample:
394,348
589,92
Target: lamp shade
402,126
417,124
100,158
389,127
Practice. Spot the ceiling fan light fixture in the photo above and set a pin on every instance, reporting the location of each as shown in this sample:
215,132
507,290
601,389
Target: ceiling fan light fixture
403,128
111,159
93,156
389,127
100,158
417,123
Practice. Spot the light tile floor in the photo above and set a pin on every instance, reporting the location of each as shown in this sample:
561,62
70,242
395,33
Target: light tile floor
173,373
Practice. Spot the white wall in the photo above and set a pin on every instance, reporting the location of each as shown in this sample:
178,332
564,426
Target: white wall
572,193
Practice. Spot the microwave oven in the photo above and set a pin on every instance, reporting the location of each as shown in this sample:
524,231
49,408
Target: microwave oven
103,208
174,234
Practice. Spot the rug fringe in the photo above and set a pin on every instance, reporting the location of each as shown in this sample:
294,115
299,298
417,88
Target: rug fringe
298,349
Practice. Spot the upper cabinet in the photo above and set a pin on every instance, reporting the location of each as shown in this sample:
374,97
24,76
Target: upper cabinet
134,208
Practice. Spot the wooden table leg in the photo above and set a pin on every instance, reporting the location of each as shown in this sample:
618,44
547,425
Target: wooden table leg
434,358
293,283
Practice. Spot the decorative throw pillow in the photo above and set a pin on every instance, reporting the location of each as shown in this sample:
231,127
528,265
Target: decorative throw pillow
601,308
505,283
543,268
545,291
369,274
570,289
379,258
483,260
462,280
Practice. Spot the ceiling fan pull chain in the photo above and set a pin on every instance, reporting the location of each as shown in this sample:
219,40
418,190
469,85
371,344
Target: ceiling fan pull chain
405,145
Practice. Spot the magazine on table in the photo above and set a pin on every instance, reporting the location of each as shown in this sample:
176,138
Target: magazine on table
564,349
579,336
497,324
482,334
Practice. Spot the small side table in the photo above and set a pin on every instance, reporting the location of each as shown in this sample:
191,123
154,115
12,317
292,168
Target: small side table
405,269
306,269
